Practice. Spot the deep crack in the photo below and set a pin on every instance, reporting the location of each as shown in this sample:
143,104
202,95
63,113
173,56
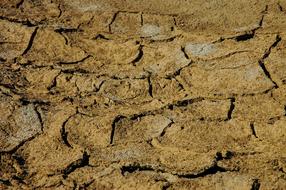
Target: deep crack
252,127
231,108
30,44
265,56
64,133
255,185
112,21
82,162
139,56
113,125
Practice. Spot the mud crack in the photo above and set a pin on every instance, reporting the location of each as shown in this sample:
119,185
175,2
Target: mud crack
64,133
82,162
114,124
31,41
255,185
265,56
231,108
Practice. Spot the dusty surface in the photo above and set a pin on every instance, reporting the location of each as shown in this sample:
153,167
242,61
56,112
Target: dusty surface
150,94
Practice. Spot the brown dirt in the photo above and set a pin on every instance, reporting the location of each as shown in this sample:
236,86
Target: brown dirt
149,94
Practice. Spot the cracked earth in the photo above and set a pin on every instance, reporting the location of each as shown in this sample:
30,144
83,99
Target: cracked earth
150,94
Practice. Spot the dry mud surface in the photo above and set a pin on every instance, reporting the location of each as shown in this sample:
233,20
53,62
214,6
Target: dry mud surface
149,94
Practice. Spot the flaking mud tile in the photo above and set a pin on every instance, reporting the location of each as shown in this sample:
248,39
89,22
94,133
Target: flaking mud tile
249,79
126,24
50,48
167,90
88,132
125,90
189,135
258,108
14,39
23,125
157,27
164,60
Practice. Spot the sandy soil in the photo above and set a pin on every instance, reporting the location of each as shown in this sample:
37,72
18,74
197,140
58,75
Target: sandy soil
149,94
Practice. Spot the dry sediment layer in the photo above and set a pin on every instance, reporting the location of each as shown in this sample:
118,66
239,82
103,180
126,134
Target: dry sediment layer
150,94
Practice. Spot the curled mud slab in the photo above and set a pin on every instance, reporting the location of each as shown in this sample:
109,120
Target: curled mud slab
150,94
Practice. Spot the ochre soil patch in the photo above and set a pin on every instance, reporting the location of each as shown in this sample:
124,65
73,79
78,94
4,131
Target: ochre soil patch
149,94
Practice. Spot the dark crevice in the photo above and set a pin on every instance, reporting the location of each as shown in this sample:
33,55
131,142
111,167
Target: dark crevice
113,125
184,51
75,62
62,32
141,19
73,71
65,37
139,56
67,30
264,12
276,42
19,179
184,103
272,120
20,160
5,182
280,7
181,86
255,185
150,89
2,59
25,101
64,133
40,118
181,103
165,129
12,151
134,168
165,40
100,37
253,130
231,108
54,82
84,161
23,22
177,72
260,24
112,21
249,34
265,56
18,5
244,37
209,171
140,115
166,186
9,86
175,21
31,41
97,89
226,156
266,72
61,12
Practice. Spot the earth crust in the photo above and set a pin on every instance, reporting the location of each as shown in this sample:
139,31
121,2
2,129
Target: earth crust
149,94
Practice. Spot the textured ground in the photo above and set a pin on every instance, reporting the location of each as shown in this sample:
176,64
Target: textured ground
143,94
